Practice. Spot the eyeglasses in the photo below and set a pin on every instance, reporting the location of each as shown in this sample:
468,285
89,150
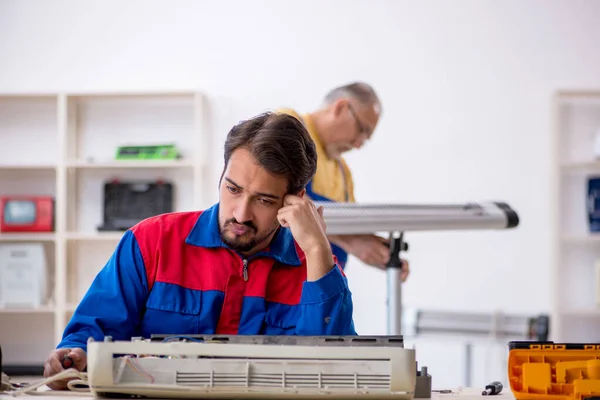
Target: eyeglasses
361,127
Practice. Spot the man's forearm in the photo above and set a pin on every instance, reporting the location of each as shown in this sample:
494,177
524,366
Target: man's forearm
319,263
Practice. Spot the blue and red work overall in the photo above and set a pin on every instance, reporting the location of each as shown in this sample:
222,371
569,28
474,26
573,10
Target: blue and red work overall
171,274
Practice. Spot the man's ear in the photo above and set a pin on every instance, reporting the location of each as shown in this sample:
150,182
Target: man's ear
301,193
338,107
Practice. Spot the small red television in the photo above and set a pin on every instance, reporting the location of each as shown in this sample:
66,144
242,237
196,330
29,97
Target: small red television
26,214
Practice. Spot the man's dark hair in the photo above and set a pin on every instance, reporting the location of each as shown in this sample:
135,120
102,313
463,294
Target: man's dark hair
280,144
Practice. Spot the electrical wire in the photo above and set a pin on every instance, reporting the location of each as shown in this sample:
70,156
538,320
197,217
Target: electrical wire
76,386
136,367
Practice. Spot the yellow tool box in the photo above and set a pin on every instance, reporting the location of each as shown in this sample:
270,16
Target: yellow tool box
554,371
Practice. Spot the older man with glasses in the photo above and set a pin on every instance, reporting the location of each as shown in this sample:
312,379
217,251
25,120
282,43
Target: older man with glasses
346,120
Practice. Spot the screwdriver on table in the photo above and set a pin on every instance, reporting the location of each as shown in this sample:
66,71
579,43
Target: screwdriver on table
492,388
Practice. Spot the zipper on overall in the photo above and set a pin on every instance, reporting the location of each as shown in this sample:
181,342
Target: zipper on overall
245,269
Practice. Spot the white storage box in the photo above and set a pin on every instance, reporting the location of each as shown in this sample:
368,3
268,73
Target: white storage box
23,277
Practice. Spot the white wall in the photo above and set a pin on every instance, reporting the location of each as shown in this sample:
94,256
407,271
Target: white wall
465,85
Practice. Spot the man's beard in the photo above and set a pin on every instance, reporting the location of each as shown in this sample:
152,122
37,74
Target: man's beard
238,243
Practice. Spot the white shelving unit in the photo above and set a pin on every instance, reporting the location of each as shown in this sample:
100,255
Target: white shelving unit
576,316
64,145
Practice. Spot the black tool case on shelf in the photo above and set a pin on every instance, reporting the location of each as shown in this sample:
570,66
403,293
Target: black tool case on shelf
127,203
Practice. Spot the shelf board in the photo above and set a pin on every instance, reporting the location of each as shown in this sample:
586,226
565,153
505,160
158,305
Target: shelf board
24,310
27,167
581,166
25,95
129,94
578,93
586,238
71,307
27,237
130,164
583,313
94,236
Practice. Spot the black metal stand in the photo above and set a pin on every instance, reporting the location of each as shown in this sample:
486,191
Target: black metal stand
394,284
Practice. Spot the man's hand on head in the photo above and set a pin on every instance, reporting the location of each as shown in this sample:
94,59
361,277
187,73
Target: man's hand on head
307,225
53,365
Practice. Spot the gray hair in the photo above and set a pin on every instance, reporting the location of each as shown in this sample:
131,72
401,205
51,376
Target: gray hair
359,91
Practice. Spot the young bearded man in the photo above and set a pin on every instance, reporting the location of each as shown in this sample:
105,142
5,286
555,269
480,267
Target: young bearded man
258,262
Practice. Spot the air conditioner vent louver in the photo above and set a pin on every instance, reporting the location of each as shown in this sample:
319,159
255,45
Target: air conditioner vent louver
282,380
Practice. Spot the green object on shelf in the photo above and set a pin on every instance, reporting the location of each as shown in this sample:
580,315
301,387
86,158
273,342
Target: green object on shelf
156,152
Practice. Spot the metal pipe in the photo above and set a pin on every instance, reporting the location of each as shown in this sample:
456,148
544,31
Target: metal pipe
353,219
